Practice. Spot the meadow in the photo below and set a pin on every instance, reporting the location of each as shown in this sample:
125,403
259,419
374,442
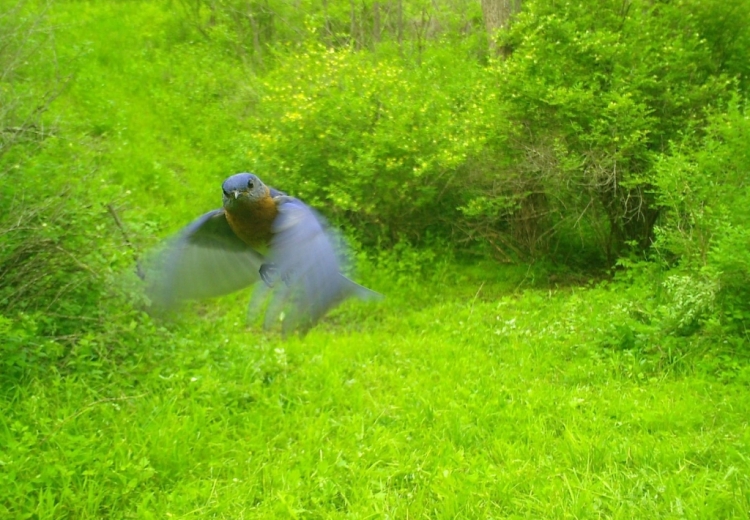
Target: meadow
450,403
561,384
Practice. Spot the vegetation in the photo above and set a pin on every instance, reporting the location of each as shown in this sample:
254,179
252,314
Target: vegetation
556,213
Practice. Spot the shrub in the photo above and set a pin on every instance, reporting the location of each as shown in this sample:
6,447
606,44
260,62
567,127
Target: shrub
59,248
593,94
374,143
705,231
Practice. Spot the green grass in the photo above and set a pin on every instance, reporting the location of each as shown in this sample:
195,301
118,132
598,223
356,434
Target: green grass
160,108
454,404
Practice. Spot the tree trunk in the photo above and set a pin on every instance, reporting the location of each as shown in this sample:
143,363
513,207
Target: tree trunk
375,24
399,22
497,15
328,33
353,25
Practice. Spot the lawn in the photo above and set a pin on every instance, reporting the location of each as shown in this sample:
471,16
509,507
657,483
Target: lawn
469,400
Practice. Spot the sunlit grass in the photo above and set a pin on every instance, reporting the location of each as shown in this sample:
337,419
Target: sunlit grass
496,406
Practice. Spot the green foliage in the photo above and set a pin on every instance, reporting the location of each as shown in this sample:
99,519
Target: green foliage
28,80
725,26
702,184
254,30
374,142
551,152
594,95
161,112
63,249
61,255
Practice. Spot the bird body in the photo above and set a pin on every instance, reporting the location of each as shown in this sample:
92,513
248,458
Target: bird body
259,233
252,222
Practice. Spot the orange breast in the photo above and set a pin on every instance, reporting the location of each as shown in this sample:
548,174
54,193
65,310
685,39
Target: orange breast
252,222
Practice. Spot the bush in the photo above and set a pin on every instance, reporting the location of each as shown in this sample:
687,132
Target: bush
373,143
594,95
60,250
705,231
61,255
550,153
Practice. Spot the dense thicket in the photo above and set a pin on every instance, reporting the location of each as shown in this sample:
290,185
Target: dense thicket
551,147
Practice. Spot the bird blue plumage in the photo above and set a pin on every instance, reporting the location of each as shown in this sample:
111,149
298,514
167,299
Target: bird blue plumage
259,233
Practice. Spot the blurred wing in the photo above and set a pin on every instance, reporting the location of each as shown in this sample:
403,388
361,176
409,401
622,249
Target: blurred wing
205,259
306,259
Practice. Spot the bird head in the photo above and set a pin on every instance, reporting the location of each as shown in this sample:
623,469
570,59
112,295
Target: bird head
243,188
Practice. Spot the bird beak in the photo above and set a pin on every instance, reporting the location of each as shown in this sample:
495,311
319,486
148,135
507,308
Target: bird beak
236,193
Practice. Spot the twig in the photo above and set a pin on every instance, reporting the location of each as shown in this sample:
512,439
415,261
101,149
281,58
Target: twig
126,238
471,310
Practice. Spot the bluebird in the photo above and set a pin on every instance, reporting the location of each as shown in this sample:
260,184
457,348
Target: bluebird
260,233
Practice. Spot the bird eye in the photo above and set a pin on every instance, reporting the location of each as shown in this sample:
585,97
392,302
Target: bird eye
250,184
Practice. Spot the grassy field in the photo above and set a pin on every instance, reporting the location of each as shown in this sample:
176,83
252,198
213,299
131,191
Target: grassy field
472,391
467,400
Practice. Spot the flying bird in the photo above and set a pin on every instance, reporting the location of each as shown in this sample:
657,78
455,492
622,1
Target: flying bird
260,233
